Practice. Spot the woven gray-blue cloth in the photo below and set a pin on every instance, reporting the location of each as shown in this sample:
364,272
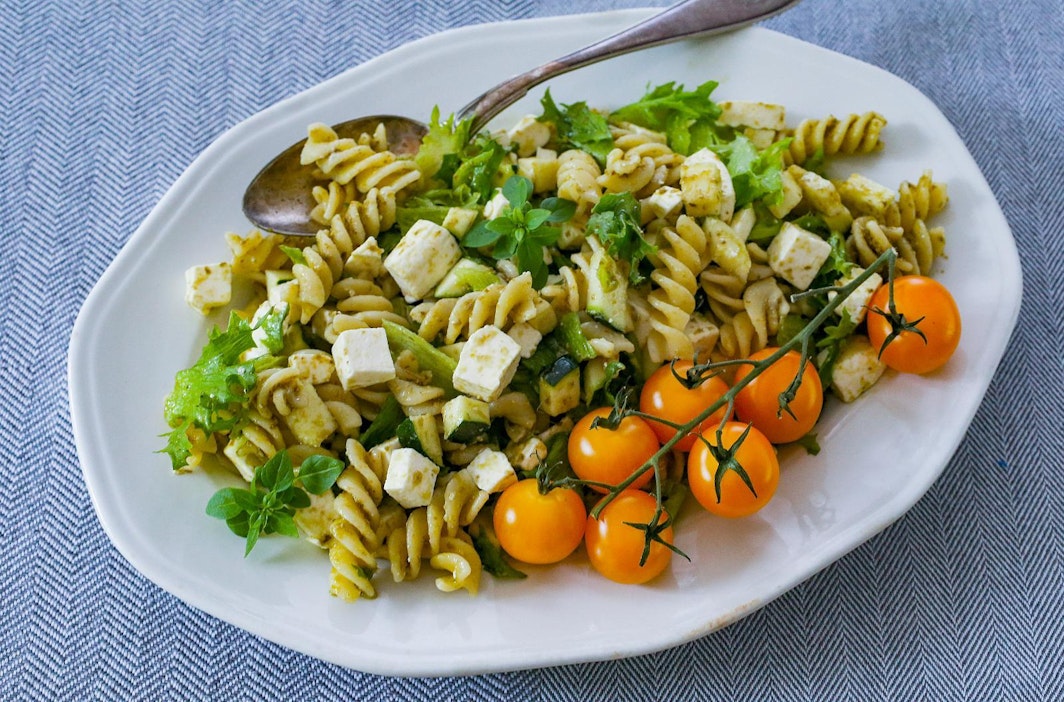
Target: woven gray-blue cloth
103,103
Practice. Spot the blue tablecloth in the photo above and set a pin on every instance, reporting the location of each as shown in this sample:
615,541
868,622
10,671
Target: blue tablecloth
103,104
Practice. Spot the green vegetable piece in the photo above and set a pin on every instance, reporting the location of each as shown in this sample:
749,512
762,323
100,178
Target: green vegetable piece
562,366
688,118
756,175
615,220
607,292
213,394
465,419
466,276
573,338
442,140
489,549
563,394
579,127
429,358
422,434
383,427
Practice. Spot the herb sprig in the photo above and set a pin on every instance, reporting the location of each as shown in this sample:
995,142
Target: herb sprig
269,504
522,231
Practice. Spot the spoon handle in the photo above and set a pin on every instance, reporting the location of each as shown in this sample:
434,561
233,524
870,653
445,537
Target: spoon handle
681,21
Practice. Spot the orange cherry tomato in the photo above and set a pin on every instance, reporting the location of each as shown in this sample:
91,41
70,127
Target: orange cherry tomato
614,547
757,457
666,397
609,456
758,403
926,303
537,528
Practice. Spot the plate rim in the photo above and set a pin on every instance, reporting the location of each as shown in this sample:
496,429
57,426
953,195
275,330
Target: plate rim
108,511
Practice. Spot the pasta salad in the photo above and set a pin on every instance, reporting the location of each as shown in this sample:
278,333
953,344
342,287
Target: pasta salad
513,343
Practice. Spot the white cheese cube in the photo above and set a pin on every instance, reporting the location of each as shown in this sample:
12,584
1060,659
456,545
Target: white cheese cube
759,115
367,261
796,255
316,366
491,471
857,368
422,258
760,138
526,336
665,202
362,358
528,135
706,186
857,303
743,223
460,220
411,478
487,363
207,287
792,195
494,207
527,455
703,334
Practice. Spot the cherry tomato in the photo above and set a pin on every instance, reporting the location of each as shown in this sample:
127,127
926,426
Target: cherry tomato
666,397
926,303
614,547
757,457
609,456
537,528
758,403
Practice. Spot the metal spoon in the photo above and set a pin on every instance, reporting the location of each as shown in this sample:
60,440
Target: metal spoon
279,200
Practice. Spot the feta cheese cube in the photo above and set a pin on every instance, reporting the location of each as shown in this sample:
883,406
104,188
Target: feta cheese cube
792,195
491,471
207,287
759,115
665,202
796,255
528,135
487,363
857,303
857,368
422,258
362,358
411,478
526,336
494,207
366,261
460,220
527,455
706,186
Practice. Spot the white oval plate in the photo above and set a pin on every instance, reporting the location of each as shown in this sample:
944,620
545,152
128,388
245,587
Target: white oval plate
879,455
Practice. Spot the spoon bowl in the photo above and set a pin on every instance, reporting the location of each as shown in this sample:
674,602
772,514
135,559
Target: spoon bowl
279,198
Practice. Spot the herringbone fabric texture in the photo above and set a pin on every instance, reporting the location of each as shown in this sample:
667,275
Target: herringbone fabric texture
104,102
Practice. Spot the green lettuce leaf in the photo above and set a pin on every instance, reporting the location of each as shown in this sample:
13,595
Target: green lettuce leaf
578,127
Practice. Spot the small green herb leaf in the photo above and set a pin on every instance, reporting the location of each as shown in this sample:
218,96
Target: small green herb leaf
319,473
615,221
